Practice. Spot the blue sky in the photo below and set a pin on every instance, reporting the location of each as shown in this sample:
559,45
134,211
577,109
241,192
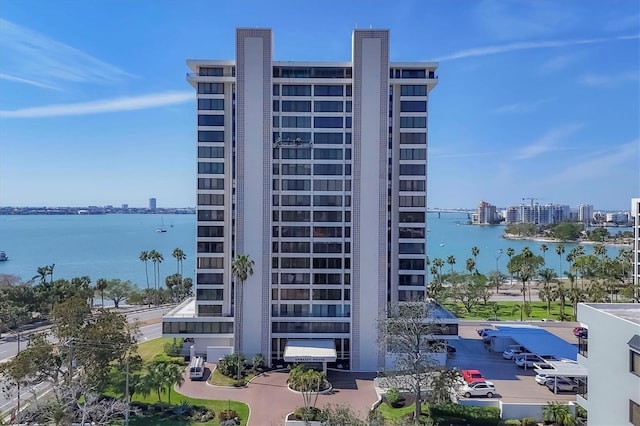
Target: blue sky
535,98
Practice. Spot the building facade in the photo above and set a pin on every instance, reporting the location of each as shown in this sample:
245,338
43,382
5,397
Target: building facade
317,172
611,354
486,214
585,213
152,204
635,220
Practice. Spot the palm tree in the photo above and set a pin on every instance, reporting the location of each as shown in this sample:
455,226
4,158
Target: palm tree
557,413
153,258
510,252
560,294
144,257
545,294
101,286
172,374
451,260
42,273
471,264
438,263
475,251
525,265
576,295
179,255
543,249
241,268
600,250
50,271
560,252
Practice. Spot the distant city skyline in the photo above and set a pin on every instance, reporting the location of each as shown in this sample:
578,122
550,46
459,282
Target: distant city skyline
535,98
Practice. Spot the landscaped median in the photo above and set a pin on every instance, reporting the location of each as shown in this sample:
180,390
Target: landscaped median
154,401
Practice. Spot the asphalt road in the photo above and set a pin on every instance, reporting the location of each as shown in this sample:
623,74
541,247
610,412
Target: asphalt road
9,347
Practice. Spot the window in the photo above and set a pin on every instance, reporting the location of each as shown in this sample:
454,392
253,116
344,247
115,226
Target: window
327,294
415,280
634,361
210,152
296,216
211,71
211,120
296,169
322,247
210,278
412,170
296,200
411,264
211,104
328,90
211,88
295,231
296,153
295,121
210,215
211,199
414,73
327,122
411,217
413,90
327,106
210,183
322,216
294,294
413,154
634,413
583,387
410,295
327,200
327,169
211,262
296,184
183,327
583,347
413,122
292,136
296,106
210,136
412,185
327,154
296,90
412,233
411,248
210,231
327,279
412,201
327,263
327,185
413,138
294,247
210,294
413,106
210,247
295,263
328,138
299,278
211,168
327,231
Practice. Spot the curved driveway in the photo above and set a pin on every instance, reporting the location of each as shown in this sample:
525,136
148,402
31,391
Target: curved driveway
270,400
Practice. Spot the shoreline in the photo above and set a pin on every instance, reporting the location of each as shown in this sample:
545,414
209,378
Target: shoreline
555,241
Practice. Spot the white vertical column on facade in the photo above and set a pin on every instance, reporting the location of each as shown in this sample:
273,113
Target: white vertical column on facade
228,196
394,201
253,178
370,141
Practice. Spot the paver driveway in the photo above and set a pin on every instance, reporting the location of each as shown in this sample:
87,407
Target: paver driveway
270,400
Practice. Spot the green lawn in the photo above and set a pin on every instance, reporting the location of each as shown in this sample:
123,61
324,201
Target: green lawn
506,311
219,379
395,414
148,350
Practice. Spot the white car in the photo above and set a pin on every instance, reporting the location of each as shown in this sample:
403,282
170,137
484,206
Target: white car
527,360
478,389
511,353
541,378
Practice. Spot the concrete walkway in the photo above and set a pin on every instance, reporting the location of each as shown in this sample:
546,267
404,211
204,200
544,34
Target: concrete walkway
270,400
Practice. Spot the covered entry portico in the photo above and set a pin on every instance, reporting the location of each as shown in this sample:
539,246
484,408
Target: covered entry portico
311,351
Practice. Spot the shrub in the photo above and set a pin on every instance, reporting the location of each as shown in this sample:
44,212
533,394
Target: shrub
173,349
477,415
227,415
228,365
510,422
529,421
183,409
308,414
394,398
164,358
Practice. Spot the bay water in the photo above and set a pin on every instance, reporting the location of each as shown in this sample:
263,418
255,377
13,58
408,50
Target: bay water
108,246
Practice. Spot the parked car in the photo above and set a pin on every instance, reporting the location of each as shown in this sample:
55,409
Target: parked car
541,378
549,357
472,376
560,384
581,332
527,360
513,351
478,389
482,331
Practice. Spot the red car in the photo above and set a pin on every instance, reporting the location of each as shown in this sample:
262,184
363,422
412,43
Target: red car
472,376
581,332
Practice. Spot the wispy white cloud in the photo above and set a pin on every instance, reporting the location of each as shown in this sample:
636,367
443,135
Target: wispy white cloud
559,62
512,47
33,58
25,81
610,80
521,107
602,162
550,141
101,106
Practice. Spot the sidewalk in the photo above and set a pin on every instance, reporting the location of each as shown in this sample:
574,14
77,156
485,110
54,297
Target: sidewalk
270,400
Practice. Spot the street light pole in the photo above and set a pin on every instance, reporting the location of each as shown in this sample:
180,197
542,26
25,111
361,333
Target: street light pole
498,269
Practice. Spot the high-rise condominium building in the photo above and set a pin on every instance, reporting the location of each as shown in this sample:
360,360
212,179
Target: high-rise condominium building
635,219
317,172
585,213
152,203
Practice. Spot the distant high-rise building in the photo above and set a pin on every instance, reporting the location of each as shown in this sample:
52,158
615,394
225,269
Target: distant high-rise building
152,203
125,206
317,171
486,214
635,218
585,213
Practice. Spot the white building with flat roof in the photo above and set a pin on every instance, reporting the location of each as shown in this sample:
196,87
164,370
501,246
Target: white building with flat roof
611,354
317,171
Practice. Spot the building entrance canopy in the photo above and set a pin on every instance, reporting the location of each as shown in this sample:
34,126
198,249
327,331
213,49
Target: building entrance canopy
310,351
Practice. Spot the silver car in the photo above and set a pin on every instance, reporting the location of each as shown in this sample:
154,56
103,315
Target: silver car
560,384
478,389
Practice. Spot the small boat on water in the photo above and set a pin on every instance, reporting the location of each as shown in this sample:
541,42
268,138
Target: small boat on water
161,228
3,256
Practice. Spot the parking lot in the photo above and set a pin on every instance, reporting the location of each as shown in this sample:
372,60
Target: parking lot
513,384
